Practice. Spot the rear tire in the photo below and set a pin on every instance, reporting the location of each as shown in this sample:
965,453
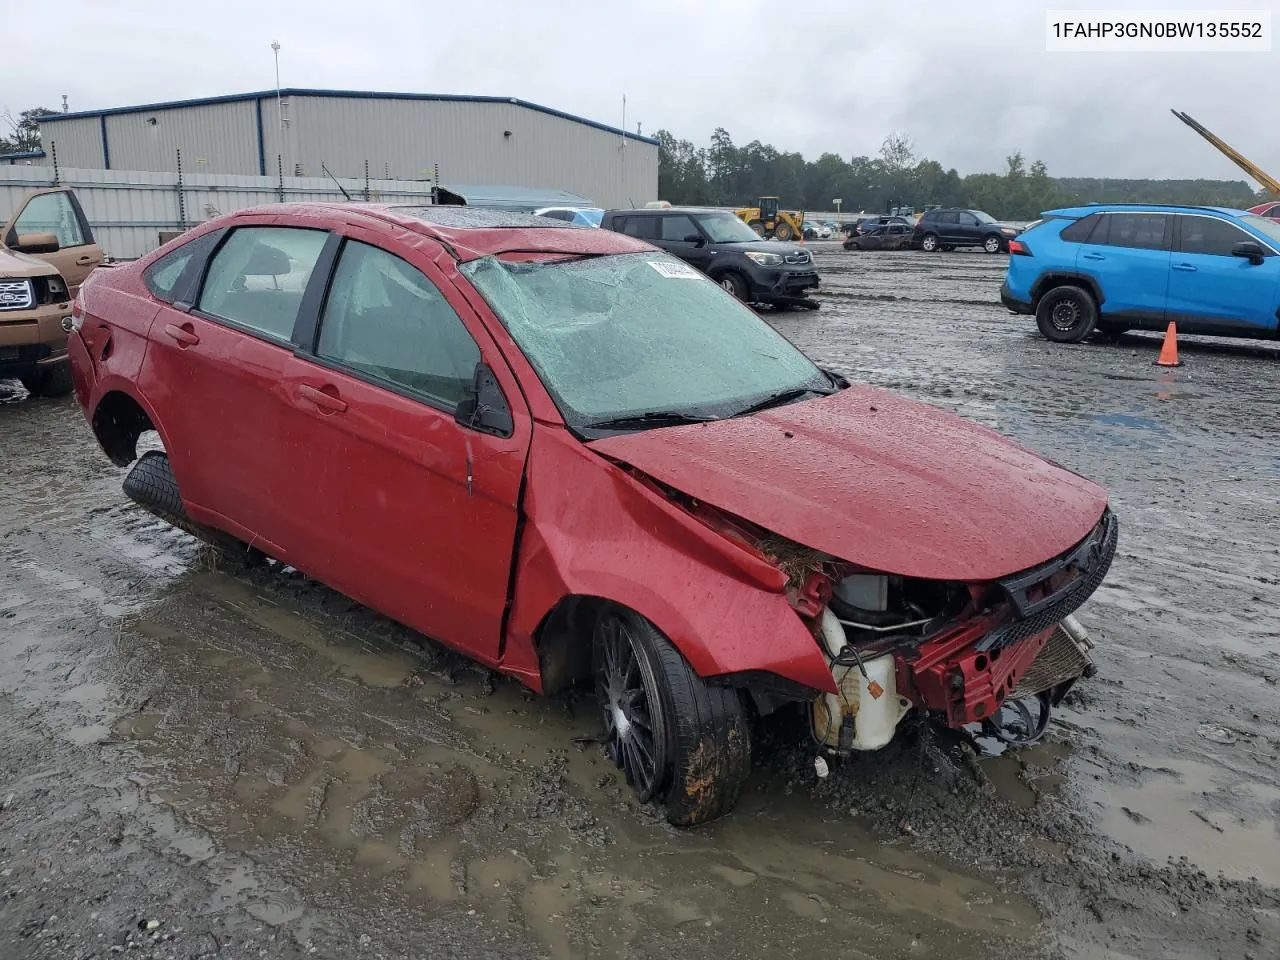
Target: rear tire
51,382
929,243
735,284
758,227
991,243
673,735
152,485
1066,314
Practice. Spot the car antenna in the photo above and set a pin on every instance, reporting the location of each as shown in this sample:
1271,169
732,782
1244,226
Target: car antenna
335,180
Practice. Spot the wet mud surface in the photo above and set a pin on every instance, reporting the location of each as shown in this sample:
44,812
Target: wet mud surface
203,761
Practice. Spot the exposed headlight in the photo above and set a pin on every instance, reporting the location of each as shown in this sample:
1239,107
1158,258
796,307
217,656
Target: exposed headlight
57,289
765,259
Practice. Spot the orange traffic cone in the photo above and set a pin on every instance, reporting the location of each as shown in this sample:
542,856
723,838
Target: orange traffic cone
1169,349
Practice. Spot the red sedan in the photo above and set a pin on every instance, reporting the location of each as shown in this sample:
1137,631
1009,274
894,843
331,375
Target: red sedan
576,459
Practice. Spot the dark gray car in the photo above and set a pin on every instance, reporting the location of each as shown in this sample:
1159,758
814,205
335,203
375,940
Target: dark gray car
726,250
948,228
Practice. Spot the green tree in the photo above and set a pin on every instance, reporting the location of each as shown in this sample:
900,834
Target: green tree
24,130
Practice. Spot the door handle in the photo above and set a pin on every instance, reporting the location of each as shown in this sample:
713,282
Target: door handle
1185,267
86,259
1093,256
322,398
185,335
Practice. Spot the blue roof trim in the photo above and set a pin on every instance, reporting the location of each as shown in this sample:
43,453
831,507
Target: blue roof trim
24,155
348,94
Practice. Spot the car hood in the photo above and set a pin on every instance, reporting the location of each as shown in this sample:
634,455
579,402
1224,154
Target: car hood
879,480
757,246
14,264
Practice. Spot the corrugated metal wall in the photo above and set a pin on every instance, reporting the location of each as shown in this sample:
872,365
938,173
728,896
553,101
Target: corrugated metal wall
78,142
128,209
217,138
400,139
405,138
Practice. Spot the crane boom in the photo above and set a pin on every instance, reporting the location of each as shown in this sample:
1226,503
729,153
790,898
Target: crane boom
1254,171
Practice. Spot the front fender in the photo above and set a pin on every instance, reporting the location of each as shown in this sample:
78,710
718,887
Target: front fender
591,529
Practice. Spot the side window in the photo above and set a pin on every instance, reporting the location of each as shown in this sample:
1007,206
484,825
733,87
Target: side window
1138,230
1209,235
167,278
258,277
1079,231
949,217
386,320
968,219
643,228
559,214
52,213
679,228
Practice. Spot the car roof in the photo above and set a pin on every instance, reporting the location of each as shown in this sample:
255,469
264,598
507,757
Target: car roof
1085,210
469,233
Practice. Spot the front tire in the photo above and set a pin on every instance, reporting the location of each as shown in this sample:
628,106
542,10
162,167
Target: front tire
1067,314
991,243
52,382
675,737
735,284
783,231
929,243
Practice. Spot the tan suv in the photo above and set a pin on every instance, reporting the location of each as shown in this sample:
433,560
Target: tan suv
47,252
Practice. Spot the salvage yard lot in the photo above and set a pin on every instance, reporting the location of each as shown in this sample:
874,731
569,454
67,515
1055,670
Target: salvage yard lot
260,764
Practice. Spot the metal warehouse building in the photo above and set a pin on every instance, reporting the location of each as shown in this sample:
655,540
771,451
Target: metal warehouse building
401,136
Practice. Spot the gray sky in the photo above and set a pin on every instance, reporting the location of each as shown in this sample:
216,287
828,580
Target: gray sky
968,81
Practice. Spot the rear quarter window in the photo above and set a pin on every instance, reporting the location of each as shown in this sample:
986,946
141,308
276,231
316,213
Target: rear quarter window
174,276
1080,231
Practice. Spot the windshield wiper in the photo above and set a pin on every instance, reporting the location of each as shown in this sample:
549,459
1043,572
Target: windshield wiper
778,399
653,418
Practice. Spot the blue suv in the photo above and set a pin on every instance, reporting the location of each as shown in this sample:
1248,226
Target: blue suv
1116,267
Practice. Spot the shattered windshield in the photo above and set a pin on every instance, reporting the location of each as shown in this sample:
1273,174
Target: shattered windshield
726,228
633,334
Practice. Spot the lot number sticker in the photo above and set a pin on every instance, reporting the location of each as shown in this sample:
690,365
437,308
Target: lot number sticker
675,270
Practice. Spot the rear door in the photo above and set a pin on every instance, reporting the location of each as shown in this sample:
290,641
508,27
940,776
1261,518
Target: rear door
1211,291
1127,255
214,370
57,212
948,224
409,511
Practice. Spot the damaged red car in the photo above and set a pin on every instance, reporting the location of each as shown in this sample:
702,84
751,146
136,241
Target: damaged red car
577,460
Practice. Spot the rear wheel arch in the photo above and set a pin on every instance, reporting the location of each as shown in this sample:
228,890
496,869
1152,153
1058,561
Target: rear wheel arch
1051,280
118,420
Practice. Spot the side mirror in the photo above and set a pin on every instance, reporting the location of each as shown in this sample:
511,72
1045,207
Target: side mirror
37,243
693,238
483,407
1250,250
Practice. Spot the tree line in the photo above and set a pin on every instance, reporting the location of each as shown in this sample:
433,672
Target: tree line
724,174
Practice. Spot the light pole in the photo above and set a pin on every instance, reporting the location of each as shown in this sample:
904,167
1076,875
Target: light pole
837,201
275,49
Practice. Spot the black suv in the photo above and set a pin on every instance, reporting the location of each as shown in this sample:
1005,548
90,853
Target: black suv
946,229
726,250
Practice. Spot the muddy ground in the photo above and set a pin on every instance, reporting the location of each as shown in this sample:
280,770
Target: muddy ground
204,762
